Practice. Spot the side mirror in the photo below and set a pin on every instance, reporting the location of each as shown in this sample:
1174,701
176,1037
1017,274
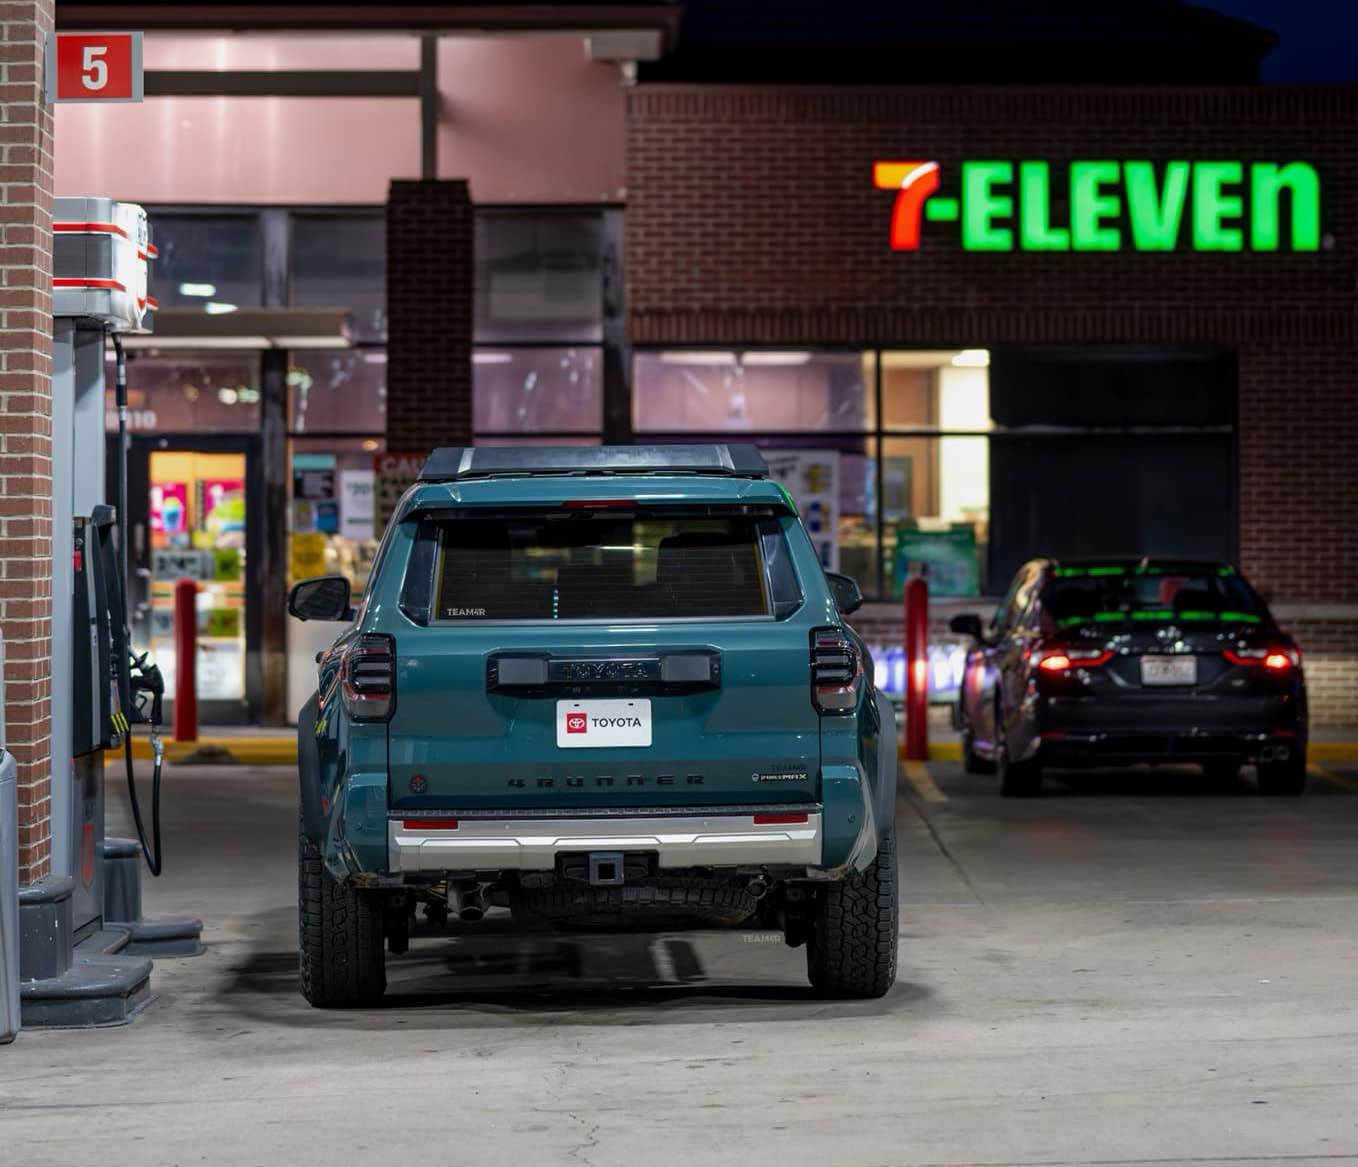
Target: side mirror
967,624
323,598
844,588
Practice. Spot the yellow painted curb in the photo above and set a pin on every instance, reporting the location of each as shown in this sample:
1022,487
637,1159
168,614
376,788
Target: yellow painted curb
240,751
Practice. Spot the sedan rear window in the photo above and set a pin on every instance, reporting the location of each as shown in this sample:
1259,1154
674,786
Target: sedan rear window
596,566
1114,593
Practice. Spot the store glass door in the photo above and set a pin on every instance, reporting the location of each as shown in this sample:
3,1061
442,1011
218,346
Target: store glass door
190,502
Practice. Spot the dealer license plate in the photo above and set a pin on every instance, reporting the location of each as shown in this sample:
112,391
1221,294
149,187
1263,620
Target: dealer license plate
603,724
1169,670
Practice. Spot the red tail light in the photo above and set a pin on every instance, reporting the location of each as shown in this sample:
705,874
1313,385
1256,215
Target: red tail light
836,671
1274,658
368,677
1061,658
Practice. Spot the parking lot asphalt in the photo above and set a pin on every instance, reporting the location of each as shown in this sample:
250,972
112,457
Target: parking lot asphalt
1138,967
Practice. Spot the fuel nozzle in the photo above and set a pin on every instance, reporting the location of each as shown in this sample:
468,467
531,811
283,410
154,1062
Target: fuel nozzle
148,688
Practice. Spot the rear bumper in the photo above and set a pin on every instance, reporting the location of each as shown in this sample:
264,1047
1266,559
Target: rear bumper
1082,748
520,843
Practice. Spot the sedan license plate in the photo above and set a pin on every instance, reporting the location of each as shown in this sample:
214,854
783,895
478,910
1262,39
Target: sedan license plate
1169,670
584,725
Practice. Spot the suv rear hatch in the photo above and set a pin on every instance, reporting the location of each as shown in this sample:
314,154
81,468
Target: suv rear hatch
603,652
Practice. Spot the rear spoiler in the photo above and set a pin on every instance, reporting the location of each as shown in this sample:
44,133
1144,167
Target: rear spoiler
460,463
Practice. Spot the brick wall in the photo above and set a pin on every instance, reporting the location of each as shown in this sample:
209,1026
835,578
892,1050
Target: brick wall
26,419
429,315
752,218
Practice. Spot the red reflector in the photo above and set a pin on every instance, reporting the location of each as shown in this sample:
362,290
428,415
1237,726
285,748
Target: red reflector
599,504
768,820
429,824
1053,735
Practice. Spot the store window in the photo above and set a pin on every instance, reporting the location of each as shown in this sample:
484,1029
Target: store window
187,391
339,391
340,261
757,391
537,366
539,276
211,262
537,390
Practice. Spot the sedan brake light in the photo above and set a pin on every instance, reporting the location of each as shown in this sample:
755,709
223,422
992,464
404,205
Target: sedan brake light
1061,658
1274,658
368,677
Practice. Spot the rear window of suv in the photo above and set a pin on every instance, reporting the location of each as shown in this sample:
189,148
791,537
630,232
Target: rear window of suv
597,566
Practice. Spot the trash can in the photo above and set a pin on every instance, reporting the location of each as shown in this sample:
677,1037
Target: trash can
9,898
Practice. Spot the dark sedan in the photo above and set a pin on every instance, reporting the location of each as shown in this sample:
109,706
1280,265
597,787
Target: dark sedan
1118,661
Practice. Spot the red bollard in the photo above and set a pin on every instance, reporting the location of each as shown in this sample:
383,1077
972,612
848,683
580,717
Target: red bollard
185,660
917,670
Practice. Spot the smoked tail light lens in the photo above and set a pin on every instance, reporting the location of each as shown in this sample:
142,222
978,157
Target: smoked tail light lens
836,671
1061,658
368,677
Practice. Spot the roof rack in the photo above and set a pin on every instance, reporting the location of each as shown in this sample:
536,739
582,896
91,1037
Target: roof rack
457,463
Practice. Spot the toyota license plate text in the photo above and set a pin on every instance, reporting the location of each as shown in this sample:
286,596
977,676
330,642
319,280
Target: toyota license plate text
594,724
1169,670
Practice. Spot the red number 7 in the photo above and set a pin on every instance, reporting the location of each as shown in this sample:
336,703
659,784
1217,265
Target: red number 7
914,182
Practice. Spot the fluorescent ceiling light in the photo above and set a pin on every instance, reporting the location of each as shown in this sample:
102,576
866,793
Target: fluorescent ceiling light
152,341
768,358
698,357
218,308
972,358
485,358
197,289
309,341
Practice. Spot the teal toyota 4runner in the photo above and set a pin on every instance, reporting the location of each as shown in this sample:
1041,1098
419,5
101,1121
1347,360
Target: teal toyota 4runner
602,687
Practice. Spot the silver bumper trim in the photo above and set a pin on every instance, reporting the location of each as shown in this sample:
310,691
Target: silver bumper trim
705,840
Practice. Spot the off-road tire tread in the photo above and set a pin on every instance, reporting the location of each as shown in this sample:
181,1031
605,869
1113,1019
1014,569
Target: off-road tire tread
851,950
341,942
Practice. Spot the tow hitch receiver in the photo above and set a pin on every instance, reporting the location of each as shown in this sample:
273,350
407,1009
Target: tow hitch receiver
606,869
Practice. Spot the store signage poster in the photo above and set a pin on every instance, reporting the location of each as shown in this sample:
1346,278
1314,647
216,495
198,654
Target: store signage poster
1107,205
356,503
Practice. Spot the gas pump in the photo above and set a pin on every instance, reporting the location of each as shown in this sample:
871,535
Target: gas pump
84,945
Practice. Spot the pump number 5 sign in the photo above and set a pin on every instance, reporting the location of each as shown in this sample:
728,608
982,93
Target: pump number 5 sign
94,66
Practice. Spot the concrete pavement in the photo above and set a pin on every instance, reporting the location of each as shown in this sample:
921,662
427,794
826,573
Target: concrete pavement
1137,968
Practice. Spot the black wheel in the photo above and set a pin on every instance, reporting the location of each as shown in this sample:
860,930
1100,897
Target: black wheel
1219,771
1283,779
1017,779
972,762
851,946
340,934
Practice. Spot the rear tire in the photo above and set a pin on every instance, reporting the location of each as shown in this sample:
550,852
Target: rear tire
1221,770
1018,779
340,934
1283,779
972,762
851,946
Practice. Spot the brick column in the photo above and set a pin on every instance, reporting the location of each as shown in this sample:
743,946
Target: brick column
429,315
26,420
